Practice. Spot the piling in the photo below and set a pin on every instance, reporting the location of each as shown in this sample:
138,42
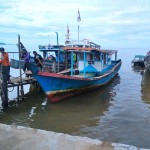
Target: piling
3,83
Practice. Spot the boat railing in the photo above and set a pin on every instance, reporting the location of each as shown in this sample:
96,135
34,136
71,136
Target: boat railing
79,43
95,46
83,44
52,66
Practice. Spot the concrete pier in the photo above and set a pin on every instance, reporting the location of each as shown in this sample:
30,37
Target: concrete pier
21,138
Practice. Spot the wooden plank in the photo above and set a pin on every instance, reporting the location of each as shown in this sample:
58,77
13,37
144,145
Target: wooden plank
16,81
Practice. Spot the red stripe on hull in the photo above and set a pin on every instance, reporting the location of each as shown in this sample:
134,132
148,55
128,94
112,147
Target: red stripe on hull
56,97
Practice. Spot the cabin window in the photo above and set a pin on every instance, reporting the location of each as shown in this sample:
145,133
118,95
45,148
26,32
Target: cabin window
80,56
89,56
69,57
61,56
97,57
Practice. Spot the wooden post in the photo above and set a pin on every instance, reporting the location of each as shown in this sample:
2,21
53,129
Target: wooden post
21,85
17,93
4,91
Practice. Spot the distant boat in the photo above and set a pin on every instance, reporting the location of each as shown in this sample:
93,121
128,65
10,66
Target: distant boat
2,43
147,60
91,68
138,60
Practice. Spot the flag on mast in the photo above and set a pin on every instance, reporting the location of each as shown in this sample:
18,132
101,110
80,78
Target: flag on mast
78,18
67,35
68,32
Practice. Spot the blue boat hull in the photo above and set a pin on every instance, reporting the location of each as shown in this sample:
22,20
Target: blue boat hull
59,86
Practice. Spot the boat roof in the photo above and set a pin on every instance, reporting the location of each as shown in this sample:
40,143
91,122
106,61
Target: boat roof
86,45
50,47
77,46
110,52
139,56
89,49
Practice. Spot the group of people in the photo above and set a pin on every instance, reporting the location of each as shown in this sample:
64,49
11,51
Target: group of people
5,70
38,59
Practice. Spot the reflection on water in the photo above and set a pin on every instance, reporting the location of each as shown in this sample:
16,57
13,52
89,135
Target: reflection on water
146,86
138,69
67,116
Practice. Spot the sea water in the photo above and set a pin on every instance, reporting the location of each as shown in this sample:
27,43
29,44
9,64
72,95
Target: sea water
117,112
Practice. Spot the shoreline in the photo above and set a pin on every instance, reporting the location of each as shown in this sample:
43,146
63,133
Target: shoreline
18,137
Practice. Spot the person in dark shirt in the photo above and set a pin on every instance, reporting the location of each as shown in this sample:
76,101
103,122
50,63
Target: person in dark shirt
38,60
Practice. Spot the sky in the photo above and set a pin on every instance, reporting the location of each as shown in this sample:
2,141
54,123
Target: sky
109,23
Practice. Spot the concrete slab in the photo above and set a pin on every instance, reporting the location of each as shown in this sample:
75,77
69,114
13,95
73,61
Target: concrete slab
22,138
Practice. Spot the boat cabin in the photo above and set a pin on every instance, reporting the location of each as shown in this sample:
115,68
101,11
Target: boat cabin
88,58
77,57
138,60
53,57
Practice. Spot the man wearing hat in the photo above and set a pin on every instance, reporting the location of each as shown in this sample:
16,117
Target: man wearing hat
5,75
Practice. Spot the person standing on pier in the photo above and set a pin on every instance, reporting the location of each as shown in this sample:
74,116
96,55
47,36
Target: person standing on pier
26,58
5,75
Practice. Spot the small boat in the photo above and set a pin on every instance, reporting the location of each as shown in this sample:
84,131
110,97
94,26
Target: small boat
90,67
147,60
138,60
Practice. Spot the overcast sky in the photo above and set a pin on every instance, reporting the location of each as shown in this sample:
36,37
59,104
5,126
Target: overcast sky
110,23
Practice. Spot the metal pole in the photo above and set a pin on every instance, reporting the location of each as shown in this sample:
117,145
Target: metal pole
21,85
115,56
84,63
78,33
58,51
57,37
72,63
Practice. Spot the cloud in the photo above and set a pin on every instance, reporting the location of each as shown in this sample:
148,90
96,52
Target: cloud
119,20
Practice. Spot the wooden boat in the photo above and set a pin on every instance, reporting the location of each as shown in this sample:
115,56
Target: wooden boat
147,60
138,60
91,67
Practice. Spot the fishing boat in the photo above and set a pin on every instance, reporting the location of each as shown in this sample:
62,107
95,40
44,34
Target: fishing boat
138,60
147,60
90,67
